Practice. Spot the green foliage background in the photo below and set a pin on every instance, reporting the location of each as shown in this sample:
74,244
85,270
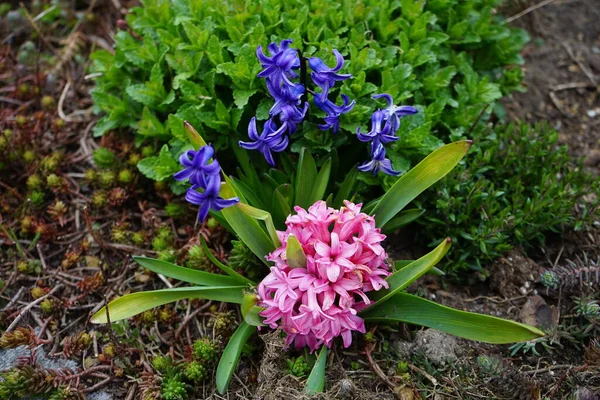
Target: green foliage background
516,186
195,60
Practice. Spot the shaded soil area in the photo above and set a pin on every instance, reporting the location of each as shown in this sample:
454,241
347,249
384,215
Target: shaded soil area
562,74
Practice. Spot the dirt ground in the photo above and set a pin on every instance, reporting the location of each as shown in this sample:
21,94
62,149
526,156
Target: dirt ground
562,73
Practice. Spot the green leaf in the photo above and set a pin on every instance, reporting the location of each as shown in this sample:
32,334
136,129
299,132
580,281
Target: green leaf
225,268
241,96
250,311
246,227
294,253
185,274
135,303
399,280
407,308
316,380
231,355
403,218
159,167
346,188
433,168
321,182
262,215
193,136
307,173
149,125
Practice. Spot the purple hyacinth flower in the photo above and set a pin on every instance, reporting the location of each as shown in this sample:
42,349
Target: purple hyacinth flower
291,116
378,163
197,166
325,77
377,134
271,139
280,64
333,110
209,198
284,95
393,113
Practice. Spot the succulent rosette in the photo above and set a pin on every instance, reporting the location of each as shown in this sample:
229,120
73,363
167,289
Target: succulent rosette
315,303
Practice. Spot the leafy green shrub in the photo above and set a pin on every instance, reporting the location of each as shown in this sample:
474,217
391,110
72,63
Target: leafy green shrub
196,61
514,186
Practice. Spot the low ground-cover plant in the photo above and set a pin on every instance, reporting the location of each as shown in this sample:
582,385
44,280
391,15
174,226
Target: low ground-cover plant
329,273
182,60
517,186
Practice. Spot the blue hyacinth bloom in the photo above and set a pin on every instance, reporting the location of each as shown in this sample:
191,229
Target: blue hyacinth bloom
271,139
197,166
378,163
326,77
209,198
333,110
393,113
280,65
377,134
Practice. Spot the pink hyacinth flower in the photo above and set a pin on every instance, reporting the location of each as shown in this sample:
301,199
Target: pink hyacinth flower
344,259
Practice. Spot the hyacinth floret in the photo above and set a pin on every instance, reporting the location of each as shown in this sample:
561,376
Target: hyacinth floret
204,175
332,110
271,139
393,113
378,135
280,65
326,77
378,163
197,166
316,303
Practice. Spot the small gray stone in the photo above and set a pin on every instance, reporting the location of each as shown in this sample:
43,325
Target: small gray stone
439,347
100,396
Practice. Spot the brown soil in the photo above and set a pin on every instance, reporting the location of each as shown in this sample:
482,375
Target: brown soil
562,74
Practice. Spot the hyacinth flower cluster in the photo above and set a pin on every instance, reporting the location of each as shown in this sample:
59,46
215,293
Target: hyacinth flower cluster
384,125
290,108
315,303
203,174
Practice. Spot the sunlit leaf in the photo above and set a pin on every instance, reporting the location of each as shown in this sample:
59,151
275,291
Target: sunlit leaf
135,303
294,253
185,274
407,308
399,280
433,168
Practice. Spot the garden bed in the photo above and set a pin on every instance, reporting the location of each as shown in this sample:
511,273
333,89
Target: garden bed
68,250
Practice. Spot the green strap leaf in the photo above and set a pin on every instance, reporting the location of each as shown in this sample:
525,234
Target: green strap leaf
231,355
135,303
316,379
225,268
399,280
407,308
250,310
321,182
193,136
264,216
294,253
346,188
246,227
185,274
404,218
305,179
433,168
